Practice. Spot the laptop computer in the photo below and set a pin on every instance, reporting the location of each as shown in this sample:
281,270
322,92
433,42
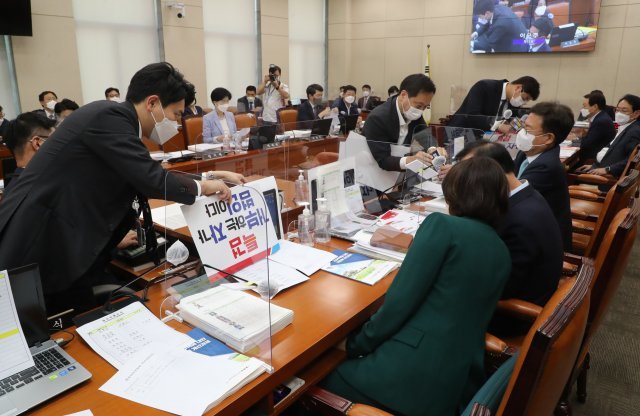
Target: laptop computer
55,371
348,123
562,33
321,127
261,136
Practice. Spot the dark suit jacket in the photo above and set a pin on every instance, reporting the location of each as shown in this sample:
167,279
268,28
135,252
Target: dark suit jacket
243,104
381,130
618,154
3,126
343,111
368,106
432,310
481,105
305,112
601,132
547,175
44,113
73,200
505,34
534,241
187,111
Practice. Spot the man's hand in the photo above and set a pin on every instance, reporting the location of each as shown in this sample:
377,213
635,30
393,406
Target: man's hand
131,239
444,169
266,79
584,168
598,171
424,157
216,187
504,128
227,176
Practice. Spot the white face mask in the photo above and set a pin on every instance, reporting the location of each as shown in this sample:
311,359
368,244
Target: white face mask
584,112
163,130
540,10
516,100
412,113
483,21
349,99
622,118
365,93
223,107
251,99
524,140
51,104
115,99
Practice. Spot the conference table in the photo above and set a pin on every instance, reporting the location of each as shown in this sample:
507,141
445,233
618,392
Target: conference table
326,309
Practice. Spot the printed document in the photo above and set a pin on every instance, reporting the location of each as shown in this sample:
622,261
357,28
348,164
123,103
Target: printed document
169,216
306,259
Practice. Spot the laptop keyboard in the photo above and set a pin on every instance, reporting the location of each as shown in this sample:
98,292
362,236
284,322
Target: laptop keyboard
46,363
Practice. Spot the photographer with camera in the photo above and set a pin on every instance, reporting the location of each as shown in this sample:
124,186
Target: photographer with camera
275,93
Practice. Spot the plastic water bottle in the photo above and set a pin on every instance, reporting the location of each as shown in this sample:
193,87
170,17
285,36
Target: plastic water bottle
226,143
306,226
302,190
323,221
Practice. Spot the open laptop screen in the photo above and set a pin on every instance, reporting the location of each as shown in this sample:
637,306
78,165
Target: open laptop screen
29,300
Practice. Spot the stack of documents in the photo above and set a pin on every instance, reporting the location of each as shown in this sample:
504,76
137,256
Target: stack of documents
236,318
436,205
358,267
362,246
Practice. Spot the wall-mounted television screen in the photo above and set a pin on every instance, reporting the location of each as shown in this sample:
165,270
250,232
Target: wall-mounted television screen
534,26
15,17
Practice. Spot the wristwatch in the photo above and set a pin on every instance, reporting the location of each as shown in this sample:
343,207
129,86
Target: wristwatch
607,169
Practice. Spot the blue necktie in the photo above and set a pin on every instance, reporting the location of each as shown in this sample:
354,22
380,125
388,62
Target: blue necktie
524,165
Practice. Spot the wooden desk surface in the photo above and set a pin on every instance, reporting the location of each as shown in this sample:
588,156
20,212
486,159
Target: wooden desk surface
327,308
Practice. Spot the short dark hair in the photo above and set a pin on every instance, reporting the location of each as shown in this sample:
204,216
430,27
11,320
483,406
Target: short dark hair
417,83
43,93
392,89
477,188
544,25
598,99
1,108
350,88
19,131
491,150
220,94
634,100
108,90
556,118
273,68
251,88
530,86
483,6
311,89
65,104
366,86
163,80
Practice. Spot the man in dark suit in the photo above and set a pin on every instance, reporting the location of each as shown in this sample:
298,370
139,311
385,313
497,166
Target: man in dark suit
394,122
540,29
538,160
24,136
249,103
609,109
48,100
347,106
73,202
366,102
611,160
3,122
529,231
312,108
504,32
601,130
488,99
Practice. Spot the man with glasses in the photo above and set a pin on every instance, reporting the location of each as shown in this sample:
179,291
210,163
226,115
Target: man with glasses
394,122
538,160
24,136
612,159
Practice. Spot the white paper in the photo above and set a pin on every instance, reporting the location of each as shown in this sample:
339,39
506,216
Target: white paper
401,220
566,152
169,216
117,336
201,147
354,199
368,172
398,150
82,413
179,381
306,259
271,274
330,185
430,187
458,145
14,350
426,172
436,205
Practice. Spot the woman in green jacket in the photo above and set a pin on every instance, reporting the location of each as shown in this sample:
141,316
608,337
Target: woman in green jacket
422,352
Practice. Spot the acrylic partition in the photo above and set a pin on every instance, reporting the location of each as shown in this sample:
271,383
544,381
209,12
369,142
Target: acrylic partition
216,276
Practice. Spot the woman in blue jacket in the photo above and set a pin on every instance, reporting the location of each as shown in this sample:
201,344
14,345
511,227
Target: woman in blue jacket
219,122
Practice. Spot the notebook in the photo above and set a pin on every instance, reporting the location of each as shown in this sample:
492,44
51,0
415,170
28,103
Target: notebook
55,371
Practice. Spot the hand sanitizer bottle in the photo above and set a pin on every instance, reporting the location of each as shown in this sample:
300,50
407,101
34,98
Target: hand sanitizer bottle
305,226
323,222
302,190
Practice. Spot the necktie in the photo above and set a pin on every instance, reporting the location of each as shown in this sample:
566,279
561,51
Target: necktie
524,165
250,105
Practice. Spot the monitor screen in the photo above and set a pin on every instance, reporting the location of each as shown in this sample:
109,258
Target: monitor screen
15,18
534,26
29,300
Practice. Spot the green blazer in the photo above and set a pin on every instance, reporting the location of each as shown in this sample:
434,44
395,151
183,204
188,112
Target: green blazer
422,352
